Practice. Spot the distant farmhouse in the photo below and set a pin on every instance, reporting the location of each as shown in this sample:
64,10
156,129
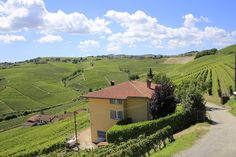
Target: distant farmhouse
118,102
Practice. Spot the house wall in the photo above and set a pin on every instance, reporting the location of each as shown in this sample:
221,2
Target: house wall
137,109
99,110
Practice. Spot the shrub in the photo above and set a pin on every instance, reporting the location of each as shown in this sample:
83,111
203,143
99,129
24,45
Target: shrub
178,121
161,78
163,101
138,146
133,77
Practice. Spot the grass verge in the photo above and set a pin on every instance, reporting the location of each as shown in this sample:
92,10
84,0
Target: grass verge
232,104
183,140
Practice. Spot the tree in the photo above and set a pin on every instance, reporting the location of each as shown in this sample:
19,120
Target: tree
161,78
190,95
133,77
150,74
163,101
193,100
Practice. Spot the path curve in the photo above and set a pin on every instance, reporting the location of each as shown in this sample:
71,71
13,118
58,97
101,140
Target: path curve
220,141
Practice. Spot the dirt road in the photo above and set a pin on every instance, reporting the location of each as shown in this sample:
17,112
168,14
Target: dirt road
220,141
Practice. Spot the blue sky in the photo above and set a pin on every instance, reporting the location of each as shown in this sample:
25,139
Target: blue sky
37,28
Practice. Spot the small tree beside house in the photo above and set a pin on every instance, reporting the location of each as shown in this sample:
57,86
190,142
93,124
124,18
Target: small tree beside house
163,101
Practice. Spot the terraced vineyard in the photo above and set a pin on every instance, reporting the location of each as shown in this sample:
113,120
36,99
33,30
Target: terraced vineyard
218,69
33,87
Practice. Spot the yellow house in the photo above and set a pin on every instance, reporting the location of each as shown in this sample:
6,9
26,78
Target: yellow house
109,105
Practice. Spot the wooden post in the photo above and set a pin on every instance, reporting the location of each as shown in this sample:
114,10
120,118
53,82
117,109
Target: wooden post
76,138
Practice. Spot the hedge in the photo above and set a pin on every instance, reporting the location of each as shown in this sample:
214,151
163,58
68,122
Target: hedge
137,147
178,121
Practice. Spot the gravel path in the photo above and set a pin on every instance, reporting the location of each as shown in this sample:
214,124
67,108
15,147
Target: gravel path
220,141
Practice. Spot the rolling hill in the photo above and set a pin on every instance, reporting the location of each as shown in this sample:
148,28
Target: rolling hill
35,87
228,50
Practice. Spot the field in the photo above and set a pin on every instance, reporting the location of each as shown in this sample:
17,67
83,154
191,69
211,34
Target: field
36,87
179,60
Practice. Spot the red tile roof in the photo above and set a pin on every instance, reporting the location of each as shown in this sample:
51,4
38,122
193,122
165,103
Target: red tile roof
124,90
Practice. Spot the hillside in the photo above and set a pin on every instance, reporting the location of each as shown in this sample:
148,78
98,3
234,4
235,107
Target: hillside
228,50
33,87
179,60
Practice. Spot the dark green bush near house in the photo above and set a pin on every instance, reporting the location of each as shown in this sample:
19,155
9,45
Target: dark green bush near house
163,101
124,121
178,121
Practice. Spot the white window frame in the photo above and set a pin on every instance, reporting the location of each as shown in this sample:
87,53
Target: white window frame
115,115
116,101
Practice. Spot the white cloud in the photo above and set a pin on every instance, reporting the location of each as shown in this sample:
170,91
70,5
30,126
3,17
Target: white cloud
88,45
139,27
190,20
11,38
233,33
50,39
112,47
16,15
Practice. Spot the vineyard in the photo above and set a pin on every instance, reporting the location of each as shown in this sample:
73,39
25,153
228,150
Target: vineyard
217,71
140,146
55,87
40,139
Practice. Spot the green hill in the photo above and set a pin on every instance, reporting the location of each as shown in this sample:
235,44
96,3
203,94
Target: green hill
39,86
228,50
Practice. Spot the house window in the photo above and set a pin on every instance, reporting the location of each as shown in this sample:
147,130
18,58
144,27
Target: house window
117,115
115,101
101,134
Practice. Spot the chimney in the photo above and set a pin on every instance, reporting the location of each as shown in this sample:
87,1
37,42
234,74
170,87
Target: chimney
149,83
112,83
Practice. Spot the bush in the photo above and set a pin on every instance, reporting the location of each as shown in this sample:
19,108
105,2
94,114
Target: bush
178,121
133,77
163,101
138,146
8,117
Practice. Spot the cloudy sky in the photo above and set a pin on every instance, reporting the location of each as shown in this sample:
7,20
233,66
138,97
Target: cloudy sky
37,28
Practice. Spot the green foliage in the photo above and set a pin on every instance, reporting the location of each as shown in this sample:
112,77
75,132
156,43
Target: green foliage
190,95
232,104
161,78
178,121
136,147
206,52
133,77
150,74
163,101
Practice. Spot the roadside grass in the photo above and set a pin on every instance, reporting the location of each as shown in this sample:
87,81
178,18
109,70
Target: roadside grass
212,99
232,104
183,140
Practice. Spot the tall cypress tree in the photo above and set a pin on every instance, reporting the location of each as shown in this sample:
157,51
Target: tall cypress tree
150,74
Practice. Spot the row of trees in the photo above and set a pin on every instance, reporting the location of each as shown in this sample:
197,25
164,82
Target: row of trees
206,52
